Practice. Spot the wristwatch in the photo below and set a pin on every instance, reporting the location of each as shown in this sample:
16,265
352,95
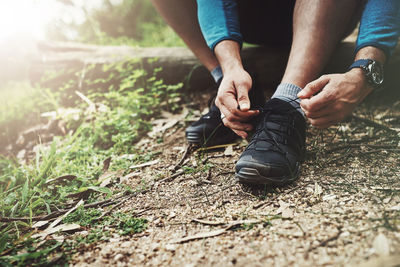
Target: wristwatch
373,71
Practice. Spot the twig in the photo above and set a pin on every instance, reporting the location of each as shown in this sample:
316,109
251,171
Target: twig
185,154
336,148
326,241
207,222
395,150
218,191
172,177
374,124
213,233
143,211
271,200
110,210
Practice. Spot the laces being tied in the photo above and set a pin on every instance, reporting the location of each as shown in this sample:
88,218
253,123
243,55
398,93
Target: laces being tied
277,146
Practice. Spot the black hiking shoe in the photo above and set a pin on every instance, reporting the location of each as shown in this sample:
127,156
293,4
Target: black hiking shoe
209,130
277,147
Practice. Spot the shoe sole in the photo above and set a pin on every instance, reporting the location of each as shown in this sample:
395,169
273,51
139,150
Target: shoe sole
248,175
194,138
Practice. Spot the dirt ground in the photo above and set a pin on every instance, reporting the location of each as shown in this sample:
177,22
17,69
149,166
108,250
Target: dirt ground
343,211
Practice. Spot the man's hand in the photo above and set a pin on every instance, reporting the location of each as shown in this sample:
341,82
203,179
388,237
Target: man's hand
233,101
338,95
233,93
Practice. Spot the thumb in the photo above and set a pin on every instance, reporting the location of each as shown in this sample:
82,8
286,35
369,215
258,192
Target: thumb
313,87
243,98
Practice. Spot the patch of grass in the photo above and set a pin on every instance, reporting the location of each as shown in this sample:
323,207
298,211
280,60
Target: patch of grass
123,104
20,106
129,225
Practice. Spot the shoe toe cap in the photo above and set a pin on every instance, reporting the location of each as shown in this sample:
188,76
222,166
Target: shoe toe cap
269,166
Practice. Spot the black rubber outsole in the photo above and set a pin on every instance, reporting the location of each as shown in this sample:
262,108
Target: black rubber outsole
248,175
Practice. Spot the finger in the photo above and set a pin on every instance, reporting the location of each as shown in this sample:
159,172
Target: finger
323,112
313,87
243,96
234,114
318,102
324,122
240,133
229,115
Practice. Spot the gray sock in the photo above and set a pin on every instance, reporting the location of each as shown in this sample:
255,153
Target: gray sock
217,73
288,92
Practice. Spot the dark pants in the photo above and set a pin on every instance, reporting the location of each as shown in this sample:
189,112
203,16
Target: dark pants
270,22
266,22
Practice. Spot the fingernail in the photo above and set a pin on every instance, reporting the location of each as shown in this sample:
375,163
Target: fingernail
244,106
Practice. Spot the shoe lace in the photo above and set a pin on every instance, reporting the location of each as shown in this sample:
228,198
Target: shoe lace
287,126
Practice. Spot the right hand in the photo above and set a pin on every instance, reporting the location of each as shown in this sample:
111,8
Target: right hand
233,101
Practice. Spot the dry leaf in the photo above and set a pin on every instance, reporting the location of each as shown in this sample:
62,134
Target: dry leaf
60,228
106,178
65,227
129,176
59,219
92,105
282,206
161,126
328,197
317,190
287,213
228,150
106,164
39,224
207,222
58,238
381,245
169,121
149,163
61,179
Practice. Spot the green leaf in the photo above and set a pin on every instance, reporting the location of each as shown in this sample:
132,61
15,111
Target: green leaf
25,191
29,256
104,190
3,242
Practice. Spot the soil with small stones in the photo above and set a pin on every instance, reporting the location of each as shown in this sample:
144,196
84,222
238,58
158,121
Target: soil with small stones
343,211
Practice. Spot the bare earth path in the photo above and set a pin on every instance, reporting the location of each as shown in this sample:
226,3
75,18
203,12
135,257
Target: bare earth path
344,210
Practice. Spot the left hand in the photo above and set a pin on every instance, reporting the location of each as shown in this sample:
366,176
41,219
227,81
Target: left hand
338,95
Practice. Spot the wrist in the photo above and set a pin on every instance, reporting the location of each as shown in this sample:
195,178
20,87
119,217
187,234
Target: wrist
371,52
357,75
228,55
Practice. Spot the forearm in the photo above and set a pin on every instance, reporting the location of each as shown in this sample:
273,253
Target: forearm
228,55
370,52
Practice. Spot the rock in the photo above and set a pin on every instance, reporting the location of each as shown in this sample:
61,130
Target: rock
118,257
265,64
381,245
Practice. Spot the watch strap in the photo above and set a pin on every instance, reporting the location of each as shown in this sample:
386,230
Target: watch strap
361,63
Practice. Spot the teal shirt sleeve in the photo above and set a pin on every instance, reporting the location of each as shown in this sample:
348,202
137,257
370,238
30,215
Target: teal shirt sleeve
219,21
380,25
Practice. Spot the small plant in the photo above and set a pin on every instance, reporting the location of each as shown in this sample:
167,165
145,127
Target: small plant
120,108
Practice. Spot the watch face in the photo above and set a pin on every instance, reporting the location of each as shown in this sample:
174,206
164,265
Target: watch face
376,73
